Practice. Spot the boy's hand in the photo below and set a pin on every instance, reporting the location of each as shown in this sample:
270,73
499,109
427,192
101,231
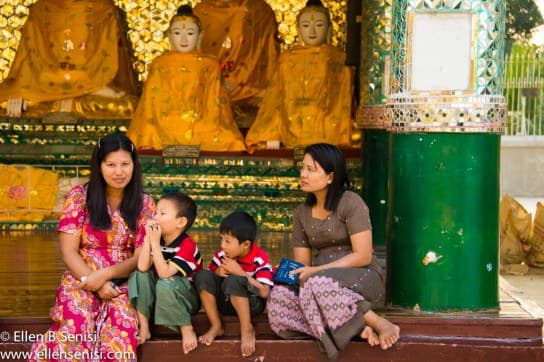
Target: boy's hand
232,267
221,272
153,231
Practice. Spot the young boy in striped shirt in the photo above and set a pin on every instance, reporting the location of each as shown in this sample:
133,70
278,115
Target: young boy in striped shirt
162,286
237,281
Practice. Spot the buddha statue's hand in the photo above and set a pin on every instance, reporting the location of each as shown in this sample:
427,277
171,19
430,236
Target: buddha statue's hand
273,145
109,92
16,106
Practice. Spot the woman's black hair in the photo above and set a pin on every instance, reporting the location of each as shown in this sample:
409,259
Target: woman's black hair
331,159
96,187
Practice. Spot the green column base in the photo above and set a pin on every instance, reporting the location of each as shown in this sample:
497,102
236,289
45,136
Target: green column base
443,221
374,156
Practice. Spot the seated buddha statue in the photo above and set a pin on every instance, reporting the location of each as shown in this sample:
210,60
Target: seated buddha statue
72,57
183,101
243,35
309,98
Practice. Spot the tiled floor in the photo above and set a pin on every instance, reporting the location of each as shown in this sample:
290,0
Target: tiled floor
528,289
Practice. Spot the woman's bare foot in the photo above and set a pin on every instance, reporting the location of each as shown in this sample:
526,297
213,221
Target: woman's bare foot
208,337
189,340
370,336
140,340
143,336
143,330
247,342
388,333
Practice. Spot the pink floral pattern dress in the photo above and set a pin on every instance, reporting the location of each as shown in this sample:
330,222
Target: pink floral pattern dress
86,328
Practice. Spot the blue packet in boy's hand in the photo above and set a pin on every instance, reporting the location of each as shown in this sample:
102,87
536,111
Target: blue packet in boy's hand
282,274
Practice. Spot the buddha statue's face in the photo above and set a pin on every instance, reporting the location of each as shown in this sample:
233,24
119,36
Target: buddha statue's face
184,36
312,27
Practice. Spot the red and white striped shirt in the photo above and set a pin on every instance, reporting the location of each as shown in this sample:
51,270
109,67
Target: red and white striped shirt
256,264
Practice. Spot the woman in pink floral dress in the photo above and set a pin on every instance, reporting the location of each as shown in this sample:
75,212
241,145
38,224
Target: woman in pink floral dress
100,231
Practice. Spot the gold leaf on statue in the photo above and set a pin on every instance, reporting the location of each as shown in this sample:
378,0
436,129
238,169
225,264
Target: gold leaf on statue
21,10
7,10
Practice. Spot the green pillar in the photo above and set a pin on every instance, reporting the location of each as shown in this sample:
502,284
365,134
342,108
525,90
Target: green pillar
443,221
445,115
375,155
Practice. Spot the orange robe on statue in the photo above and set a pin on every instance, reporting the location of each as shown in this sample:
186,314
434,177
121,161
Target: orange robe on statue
242,34
308,101
68,49
183,102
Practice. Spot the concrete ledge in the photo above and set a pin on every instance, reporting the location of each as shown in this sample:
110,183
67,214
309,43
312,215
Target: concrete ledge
522,166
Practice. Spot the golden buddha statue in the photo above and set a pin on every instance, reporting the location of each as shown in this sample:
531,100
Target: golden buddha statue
243,35
72,57
183,101
309,98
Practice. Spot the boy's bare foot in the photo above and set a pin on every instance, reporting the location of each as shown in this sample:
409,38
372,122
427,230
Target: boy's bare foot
208,337
247,342
370,336
189,340
388,333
